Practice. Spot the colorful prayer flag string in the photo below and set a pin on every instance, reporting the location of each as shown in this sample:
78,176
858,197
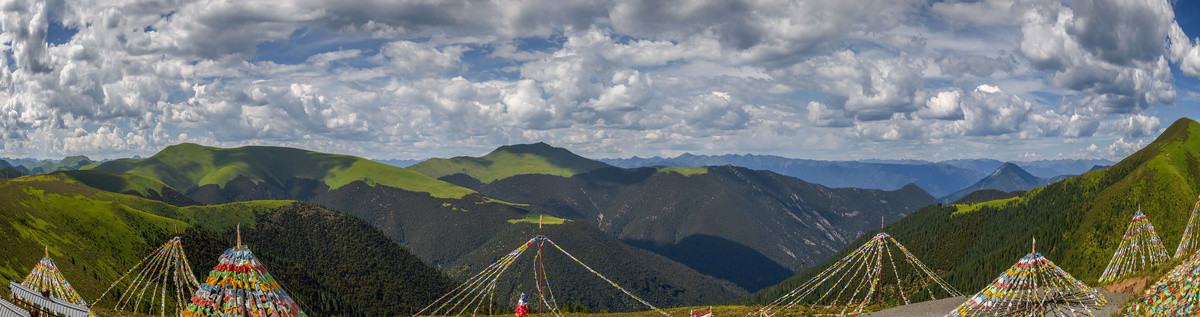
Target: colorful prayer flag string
469,297
167,267
1191,238
863,269
610,282
45,277
1177,293
240,286
1140,248
1032,287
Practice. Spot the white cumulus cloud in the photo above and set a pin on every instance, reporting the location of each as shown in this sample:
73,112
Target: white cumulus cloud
410,79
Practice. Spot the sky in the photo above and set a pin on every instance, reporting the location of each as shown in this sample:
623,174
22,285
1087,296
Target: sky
838,80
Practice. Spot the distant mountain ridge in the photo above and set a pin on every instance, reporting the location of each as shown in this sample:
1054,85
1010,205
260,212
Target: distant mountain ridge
30,166
186,166
938,178
1007,178
1039,168
14,161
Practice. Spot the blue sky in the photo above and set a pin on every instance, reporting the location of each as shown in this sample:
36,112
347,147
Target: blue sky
933,80
1187,13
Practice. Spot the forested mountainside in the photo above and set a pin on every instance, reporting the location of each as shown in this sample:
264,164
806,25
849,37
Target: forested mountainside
1078,222
750,227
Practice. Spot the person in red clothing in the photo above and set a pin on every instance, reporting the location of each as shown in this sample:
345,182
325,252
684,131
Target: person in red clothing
522,310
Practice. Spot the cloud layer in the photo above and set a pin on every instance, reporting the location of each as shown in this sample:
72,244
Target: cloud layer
831,79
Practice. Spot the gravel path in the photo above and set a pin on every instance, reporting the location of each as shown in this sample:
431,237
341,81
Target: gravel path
943,306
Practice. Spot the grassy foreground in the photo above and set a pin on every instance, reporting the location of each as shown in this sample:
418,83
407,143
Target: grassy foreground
536,218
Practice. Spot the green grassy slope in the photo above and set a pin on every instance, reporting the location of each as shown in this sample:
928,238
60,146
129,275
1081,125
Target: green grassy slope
186,166
539,219
130,184
507,161
685,171
95,236
985,195
117,183
92,239
1078,222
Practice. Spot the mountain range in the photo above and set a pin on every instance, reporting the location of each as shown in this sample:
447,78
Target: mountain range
29,166
439,222
1078,222
1007,178
938,178
1039,168
674,235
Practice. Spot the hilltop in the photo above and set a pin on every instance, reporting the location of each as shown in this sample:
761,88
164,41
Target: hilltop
1078,222
938,178
188,166
510,160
